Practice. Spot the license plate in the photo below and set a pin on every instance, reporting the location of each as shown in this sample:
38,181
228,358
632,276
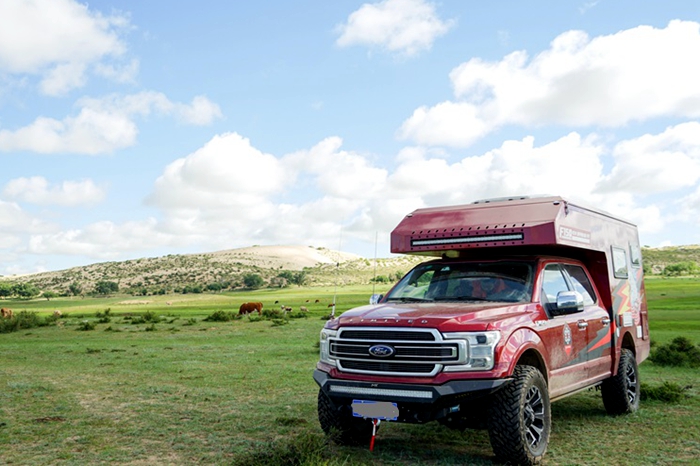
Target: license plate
382,410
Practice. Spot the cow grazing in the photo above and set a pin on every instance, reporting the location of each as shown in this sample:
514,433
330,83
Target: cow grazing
248,308
287,309
6,313
331,305
304,309
57,313
317,301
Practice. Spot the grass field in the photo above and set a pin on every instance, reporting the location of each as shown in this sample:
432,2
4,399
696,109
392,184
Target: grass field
187,391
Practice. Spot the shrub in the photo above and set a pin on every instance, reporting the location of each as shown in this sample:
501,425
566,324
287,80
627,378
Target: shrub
271,313
279,322
20,321
669,392
680,352
103,317
220,316
150,316
86,325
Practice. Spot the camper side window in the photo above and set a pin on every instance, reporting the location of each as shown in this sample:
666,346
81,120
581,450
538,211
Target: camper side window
635,256
619,257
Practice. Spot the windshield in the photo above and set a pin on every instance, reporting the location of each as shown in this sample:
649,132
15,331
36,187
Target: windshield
505,281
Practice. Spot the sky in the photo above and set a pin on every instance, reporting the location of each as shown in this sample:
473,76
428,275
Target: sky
133,129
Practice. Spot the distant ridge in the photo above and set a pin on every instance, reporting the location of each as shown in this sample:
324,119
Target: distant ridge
173,272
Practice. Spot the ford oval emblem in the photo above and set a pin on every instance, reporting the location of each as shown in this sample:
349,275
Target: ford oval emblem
381,351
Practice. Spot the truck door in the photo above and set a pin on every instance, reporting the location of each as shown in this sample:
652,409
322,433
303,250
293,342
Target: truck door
564,334
598,331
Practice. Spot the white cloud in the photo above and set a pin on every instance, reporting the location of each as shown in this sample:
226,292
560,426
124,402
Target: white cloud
656,163
103,125
455,124
338,173
37,190
13,220
406,27
633,75
517,167
91,241
230,194
57,40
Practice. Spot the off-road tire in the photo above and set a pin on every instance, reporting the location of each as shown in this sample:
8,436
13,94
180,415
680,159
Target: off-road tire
621,392
520,419
340,425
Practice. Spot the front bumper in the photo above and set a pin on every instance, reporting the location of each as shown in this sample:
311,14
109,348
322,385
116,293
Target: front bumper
417,403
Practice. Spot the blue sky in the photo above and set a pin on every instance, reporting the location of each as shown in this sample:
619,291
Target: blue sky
138,129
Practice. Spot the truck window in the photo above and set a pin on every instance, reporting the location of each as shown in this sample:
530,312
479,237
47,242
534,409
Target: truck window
553,282
580,281
466,281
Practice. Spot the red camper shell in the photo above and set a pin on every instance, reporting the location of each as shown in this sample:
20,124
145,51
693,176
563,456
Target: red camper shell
607,245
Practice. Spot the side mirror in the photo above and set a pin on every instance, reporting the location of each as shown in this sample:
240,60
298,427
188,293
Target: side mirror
375,298
569,302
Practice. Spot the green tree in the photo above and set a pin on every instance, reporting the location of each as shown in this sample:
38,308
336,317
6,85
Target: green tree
278,282
681,268
25,290
105,287
300,278
5,290
75,288
49,294
253,281
215,287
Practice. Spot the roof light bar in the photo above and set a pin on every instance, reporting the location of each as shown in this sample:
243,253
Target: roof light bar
467,239
381,391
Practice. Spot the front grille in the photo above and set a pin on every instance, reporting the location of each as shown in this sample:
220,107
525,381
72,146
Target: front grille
388,335
406,352
392,367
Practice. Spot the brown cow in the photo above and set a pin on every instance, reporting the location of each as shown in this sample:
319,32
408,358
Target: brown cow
248,308
304,309
6,313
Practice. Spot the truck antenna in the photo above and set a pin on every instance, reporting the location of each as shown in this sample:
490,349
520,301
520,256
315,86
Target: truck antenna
374,280
337,273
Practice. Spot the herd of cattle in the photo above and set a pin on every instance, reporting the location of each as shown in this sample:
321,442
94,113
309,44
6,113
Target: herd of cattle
249,308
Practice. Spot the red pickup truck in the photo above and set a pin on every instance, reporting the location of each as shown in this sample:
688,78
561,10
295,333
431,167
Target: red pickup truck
527,300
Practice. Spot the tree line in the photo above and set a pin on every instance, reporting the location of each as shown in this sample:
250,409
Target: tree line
251,281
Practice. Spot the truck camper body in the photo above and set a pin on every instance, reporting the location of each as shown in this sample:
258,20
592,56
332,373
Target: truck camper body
537,294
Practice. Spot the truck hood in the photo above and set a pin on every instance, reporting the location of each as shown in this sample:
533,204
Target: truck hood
445,316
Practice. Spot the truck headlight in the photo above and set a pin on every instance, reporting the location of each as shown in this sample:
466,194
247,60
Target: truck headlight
481,347
325,346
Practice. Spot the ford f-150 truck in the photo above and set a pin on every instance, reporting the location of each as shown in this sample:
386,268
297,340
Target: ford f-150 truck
528,300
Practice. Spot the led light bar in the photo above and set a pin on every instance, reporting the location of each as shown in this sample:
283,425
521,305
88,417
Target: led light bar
381,391
467,239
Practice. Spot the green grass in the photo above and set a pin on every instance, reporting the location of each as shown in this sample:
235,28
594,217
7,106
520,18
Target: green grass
241,392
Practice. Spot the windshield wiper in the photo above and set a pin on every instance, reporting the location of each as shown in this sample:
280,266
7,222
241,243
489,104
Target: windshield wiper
408,299
461,298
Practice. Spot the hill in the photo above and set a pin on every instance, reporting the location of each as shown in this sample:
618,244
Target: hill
227,269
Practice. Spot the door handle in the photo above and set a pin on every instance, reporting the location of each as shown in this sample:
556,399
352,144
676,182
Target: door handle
582,324
605,321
